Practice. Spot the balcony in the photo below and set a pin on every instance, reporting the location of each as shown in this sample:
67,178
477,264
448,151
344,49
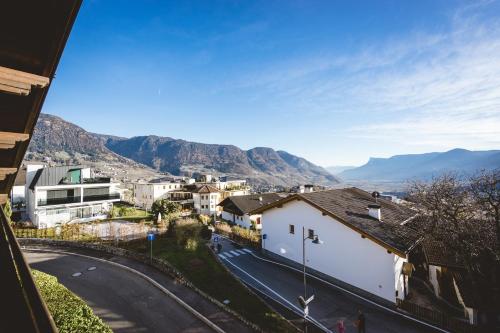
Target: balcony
101,197
58,201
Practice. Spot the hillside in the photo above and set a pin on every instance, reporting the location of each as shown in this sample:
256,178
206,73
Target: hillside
63,142
423,166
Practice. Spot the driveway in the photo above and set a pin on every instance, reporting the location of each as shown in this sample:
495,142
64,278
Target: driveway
124,300
330,304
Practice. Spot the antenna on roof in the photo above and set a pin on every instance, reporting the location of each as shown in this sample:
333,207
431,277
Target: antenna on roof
376,195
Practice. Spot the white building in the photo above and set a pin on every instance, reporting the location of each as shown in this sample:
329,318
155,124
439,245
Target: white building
18,192
365,244
147,193
205,199
67,193
236,209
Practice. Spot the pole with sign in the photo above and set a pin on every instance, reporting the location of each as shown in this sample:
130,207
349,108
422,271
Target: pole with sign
151,237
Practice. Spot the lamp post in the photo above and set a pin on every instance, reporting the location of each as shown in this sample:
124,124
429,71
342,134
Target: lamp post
303,300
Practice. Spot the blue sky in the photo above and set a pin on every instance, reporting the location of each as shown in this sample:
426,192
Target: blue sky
335,82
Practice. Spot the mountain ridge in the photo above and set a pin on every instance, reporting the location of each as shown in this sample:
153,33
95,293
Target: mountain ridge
423,166
63,141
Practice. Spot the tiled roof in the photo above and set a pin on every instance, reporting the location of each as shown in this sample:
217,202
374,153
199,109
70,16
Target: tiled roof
437,255
350,207
243,204
207,189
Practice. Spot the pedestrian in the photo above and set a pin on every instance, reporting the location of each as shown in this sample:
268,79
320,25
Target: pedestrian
219,247
361,323
340,326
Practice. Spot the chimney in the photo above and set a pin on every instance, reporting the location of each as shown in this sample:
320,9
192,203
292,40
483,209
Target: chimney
374,211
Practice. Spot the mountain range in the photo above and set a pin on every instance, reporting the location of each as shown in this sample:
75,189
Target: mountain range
401,168
60,141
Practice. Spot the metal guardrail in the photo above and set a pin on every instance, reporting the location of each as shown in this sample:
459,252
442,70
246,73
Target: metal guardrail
23,309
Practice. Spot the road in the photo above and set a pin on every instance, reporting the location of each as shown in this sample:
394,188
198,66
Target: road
124,300
330,304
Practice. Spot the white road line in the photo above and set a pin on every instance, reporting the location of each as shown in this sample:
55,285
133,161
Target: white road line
247,250
241,252
147,278
222,256
350,293
291,306
353,294
227,254
234,253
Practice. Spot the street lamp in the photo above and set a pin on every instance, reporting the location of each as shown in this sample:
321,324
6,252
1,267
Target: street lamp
303,300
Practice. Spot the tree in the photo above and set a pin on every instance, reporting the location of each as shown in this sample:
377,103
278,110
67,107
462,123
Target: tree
459,213
165,207
486,189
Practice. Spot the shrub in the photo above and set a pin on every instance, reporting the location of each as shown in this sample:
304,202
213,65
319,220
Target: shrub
205,232
70,313
205,219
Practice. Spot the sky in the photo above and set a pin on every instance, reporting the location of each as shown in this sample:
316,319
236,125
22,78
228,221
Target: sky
335,82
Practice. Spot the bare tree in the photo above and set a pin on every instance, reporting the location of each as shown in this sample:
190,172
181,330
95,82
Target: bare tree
485,187
458,213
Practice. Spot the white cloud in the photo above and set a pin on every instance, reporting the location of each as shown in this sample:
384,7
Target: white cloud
438,89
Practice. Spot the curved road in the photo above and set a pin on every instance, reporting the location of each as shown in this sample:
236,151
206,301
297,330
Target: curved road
124,300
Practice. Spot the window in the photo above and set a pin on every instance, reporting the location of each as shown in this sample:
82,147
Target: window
310,233
163,186
291,229
169,187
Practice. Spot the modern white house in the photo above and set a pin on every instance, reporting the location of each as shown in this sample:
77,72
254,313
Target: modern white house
365,244
236,209
147,193
205,199
67,193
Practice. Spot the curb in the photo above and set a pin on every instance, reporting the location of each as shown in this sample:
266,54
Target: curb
397,312
249,289
147,278
160,264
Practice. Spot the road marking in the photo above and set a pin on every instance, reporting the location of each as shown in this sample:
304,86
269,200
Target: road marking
227,254
241,252
247,250
290,306
353,294
234,253
349,292
76,274
91,268
222,256
147,278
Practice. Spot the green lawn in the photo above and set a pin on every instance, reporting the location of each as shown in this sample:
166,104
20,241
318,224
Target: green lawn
193,259
71,314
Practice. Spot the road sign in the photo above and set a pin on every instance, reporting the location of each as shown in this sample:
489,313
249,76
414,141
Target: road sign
151,237
264,236
216,239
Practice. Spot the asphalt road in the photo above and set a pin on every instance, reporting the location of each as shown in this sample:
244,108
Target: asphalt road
124,300
329,305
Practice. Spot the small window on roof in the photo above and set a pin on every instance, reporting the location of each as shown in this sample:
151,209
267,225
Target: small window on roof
291,229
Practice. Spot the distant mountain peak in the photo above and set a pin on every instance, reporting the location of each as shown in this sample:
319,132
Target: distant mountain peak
59,139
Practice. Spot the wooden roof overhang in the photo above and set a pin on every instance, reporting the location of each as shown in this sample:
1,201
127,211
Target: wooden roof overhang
280,203
33,34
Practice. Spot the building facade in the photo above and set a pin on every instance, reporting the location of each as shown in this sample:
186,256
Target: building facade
236,209
67,194
360,247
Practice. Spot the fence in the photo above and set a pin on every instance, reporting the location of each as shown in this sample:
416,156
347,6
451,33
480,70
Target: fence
103,232
437,318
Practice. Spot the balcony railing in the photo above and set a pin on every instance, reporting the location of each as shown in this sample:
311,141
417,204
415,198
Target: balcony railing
58,201
23,309
111,196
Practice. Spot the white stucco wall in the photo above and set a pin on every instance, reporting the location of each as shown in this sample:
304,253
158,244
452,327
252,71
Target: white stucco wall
433,272
344,255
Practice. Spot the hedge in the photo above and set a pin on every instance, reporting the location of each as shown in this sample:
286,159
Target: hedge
71,314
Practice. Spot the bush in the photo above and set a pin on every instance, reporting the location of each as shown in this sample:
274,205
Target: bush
205,219
70,313
205,232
